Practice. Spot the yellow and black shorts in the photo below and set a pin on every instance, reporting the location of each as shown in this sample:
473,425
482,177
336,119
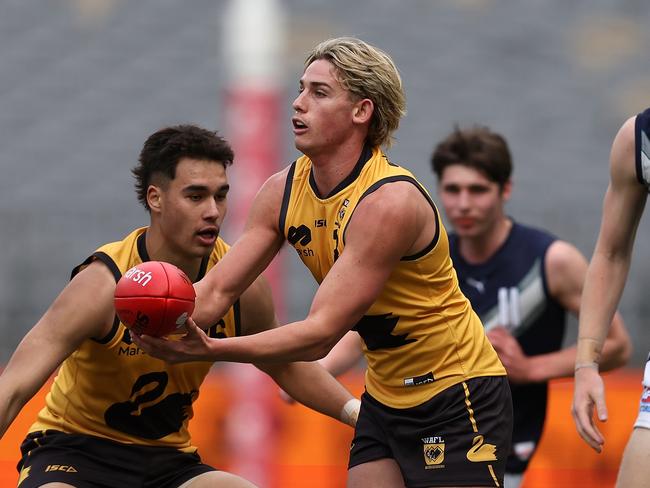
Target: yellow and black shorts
460,437
90,462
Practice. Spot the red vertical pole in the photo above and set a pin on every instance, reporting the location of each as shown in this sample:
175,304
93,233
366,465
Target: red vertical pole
253,44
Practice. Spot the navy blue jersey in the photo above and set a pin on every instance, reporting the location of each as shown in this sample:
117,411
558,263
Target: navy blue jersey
510,289
642,147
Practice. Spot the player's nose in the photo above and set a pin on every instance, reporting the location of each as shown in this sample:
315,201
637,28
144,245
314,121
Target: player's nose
463,199
212,210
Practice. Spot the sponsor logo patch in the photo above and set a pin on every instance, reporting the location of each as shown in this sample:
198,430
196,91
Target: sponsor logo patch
480,452
434,452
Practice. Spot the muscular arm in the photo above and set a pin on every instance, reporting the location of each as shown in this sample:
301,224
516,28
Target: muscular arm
83,309
565,269
248,257
394,221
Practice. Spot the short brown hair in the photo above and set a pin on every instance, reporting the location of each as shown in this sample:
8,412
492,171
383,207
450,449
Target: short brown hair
476,147
166,147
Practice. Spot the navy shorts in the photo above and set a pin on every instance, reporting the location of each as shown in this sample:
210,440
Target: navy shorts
460,437
90,462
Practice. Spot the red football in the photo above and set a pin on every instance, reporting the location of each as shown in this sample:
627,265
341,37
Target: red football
154,298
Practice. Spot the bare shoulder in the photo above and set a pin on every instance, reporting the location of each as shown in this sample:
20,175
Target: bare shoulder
275,184
85,306
268,200
566,269
561,257
98,273
396,199
398,215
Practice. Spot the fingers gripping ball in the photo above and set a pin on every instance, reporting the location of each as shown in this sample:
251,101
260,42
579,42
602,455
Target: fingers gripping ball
154,298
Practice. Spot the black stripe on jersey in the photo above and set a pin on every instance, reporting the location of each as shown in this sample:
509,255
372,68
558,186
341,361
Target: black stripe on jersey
104,258
237,313
144,256
285,197
391,179
117,274
142,247
76,269
203,269
366,154
107,338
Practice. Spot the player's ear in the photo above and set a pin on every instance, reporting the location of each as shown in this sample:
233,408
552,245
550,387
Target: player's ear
506,190
362,111
154,197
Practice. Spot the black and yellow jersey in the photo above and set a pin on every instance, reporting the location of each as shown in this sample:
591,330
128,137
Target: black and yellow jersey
421,335
111,388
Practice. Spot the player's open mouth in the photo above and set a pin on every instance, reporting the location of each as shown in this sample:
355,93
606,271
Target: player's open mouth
208,235
298,125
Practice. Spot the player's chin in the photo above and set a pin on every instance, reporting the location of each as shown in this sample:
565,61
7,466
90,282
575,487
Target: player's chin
301,143
200,250
465,232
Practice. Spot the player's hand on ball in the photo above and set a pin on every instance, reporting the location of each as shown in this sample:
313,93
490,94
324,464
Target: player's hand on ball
193,346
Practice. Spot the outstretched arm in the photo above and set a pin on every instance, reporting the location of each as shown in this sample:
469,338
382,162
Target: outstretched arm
622,208
84,309
247,259
394,221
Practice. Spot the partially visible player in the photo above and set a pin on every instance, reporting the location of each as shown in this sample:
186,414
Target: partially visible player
437,409
116,416
522,281
622,209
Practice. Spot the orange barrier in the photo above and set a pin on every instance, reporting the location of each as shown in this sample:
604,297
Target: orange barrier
563,459
311,450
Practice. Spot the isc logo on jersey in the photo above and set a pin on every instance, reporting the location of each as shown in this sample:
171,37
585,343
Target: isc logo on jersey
140,277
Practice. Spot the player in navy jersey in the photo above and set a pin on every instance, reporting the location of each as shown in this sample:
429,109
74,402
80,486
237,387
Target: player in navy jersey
521,281
622,209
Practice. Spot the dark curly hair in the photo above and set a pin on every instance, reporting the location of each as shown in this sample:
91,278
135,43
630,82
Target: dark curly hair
166,147
478,148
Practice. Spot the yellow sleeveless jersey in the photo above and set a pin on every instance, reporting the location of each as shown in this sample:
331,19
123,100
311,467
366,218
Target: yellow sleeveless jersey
421,335
111,388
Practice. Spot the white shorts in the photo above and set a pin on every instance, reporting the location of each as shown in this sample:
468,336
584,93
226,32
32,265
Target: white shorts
643,420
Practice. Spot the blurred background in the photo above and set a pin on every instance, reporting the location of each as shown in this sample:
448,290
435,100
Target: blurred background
84,82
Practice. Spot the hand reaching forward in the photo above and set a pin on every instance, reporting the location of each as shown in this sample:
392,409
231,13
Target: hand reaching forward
193,346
